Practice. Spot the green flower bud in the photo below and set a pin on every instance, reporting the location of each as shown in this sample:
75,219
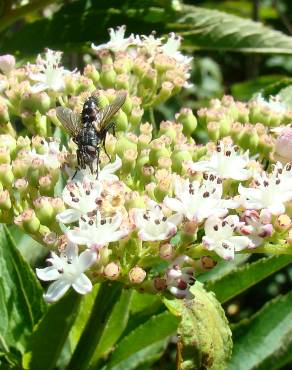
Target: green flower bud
122,82
149,79
30,222
147,175
143,141
199,152
225,126
163,188
146,128
58,205
105,57
4,155
108,76
157,151
134,200
188,120
5,202
35,171
121,121
164,162
177,157
41,125
91,72
282,223
166,251
123,144
213,130
44,210
249,138
36,102
20,167
266,145
46,185
128,105
140,163
164,93
23,143
6,175
71,81
85,85
122,66
129,160
136,116
21,185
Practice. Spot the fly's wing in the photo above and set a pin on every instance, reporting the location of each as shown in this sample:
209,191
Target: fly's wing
70,120
104,115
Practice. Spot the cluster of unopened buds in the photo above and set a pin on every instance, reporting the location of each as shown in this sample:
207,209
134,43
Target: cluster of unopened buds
164,200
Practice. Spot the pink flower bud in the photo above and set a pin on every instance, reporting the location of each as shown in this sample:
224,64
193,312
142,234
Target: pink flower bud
283,147
7,63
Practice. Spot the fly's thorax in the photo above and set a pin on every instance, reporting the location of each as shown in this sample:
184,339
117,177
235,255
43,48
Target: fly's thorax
89,111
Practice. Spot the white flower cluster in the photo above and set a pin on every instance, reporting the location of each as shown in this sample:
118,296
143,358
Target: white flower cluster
205,202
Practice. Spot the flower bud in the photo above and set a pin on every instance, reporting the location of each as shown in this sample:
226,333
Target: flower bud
166,251
4,155
136,116
189,232
20,167
21,185
207,263
164,163
164,93
213,129
35,171
266,145
146,128
5,202
6,175
122,82
188,120
30,222
143,141
283,147
112,271
85,85
121,121
105,57
7,63
7,141
23,142
108,76
157,151
159,284
36,102
57,204
282,223
137,275
177,157
91,72
44,210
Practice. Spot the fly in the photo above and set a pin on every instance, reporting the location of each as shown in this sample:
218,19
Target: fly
89,129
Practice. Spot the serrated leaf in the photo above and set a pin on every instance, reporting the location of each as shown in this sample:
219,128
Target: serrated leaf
21,297
50,335
204,335
143,343
246,276
210,29
265,340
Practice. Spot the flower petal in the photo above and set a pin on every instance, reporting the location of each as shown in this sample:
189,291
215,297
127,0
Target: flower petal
48,273
82,285
86,259
68,216
56,290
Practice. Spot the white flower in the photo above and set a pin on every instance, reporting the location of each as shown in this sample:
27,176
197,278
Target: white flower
97,232
151,43
152,223
171,49
68,270
256,226
117,42
269,192
225,162
199,201
283,147
81,198
219,236
51,75
274,104
105,174
51,154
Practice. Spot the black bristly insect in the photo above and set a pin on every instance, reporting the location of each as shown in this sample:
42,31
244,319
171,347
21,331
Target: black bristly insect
89,129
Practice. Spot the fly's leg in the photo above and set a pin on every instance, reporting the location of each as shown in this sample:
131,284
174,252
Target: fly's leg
97,158
79,159
103,144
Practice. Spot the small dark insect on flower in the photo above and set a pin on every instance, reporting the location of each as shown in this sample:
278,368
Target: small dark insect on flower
89,129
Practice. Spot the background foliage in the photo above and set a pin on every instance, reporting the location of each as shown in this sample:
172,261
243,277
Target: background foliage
232,54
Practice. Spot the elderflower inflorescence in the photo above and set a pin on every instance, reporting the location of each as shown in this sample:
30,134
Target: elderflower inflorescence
166,207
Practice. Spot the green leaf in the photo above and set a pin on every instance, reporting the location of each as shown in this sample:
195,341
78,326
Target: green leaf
108,319
21,301
245,90
265,340
146,341
213,30
246,276
50,335
204,335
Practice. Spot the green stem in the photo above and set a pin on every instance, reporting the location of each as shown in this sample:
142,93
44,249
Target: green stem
152,120
108,294
12,15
